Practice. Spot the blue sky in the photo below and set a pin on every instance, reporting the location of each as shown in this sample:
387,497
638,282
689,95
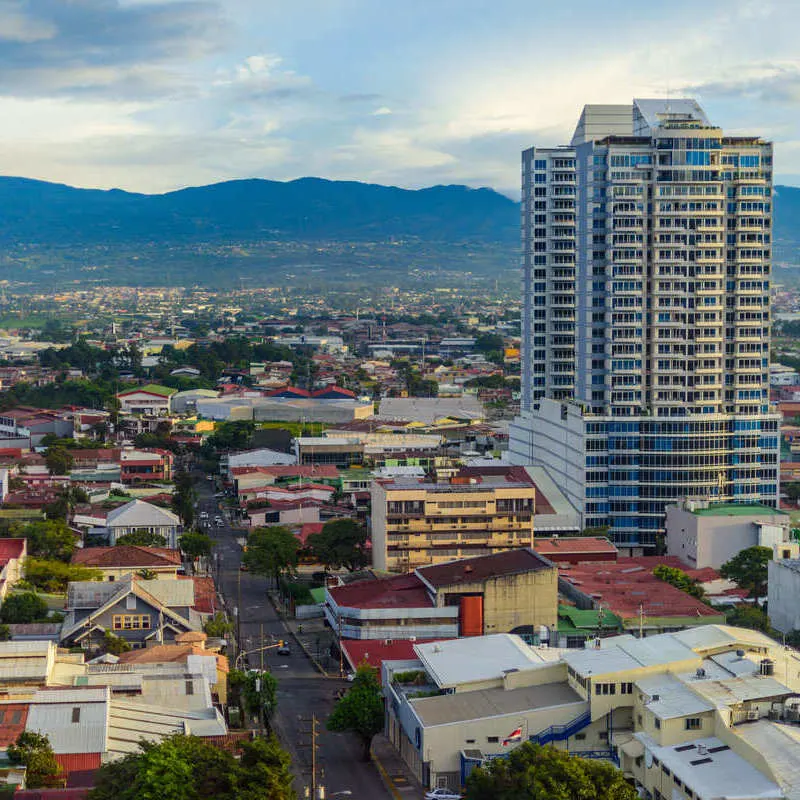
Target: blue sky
152,95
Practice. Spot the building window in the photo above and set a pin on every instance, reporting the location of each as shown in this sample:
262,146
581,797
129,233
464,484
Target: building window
493,739
657,723
76,714
693,723
130,622
189,687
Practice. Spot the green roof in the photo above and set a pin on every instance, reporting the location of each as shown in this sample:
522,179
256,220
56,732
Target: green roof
738,510
318,594
152,388
571,618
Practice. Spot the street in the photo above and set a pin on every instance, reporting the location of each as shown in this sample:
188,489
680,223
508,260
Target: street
302,690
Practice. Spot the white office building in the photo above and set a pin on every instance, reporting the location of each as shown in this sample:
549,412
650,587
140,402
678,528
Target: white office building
646,321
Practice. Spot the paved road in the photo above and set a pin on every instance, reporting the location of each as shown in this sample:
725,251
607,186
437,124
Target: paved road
302,691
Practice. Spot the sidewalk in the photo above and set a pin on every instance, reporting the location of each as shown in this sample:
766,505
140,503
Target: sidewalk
395,773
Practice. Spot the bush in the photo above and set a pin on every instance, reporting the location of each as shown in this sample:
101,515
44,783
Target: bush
23,608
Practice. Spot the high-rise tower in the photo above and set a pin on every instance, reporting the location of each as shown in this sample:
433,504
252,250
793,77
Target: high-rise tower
646,268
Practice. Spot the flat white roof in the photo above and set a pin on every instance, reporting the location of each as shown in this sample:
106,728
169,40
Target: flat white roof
622,653
712,775
674,698
476,658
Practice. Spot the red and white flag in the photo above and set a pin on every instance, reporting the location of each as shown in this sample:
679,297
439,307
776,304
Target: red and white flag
514,736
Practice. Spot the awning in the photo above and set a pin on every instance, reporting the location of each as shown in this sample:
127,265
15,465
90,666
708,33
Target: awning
633,748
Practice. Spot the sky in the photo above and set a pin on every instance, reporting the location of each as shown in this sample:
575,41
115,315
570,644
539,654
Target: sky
155,95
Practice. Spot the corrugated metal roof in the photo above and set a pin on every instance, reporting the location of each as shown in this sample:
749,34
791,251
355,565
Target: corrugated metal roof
139,514
69,731
170,593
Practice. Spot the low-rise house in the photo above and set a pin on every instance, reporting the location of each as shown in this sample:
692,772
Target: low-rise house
39,662
116,562
138,515
139,611
12,558
150,400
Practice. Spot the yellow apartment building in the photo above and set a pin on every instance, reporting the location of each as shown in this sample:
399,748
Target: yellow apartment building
415,523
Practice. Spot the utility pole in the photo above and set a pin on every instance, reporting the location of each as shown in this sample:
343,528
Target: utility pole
316,788
641,621
262,646
239,609
339,643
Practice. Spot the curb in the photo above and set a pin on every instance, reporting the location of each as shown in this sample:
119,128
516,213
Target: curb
294,635
387,781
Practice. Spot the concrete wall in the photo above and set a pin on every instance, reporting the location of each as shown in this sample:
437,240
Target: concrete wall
709,541
784,595
513,601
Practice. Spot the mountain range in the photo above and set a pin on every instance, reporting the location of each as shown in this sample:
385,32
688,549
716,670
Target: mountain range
309,222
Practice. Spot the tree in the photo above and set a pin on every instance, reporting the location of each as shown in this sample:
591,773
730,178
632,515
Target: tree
34,752
360,711
53,576
792,490
340,543
183,498
271,551
532,772
52,540
489,342
257,691
680,580
5,633
59,460
748,570
114,644
188,768
23,608
745,616
218,626
194,545
142,538
266,771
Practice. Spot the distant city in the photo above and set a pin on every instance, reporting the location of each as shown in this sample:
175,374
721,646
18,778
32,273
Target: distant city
357,508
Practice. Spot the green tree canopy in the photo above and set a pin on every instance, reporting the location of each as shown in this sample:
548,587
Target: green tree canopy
360,711
257,691
51,540
271,551
340,543
532,772
188,768
59,460
142,538
218,626
114,644
680,580
183,498
23,608
748,570
53,576
34,752
194,544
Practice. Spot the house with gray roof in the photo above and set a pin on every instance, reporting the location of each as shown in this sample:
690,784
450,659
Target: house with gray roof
139,611
141,516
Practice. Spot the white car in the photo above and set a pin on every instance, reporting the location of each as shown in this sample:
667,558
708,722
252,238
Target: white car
442,794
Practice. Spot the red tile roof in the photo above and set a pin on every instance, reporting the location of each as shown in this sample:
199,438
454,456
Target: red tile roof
553,548
309,529
401,591
625,585
13,717
469,570
205,594
376,651
11,548
126,555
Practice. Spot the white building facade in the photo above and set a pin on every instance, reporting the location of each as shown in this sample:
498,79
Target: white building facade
646,321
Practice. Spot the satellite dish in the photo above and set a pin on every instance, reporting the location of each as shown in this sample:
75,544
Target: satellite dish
648,759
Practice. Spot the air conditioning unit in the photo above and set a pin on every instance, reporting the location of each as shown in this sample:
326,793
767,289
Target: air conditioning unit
752,715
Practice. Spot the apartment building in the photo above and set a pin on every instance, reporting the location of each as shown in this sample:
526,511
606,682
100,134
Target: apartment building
417,522
709,713
646,320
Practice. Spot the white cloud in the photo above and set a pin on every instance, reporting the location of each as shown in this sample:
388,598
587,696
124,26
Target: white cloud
383,111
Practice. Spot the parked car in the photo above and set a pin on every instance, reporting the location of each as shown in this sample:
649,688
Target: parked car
442,794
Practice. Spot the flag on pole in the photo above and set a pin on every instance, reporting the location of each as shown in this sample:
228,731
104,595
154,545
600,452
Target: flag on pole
514,736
